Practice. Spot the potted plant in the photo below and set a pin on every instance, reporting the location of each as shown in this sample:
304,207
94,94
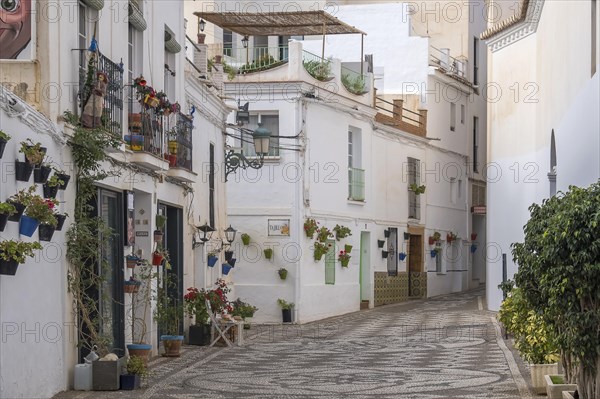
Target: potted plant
63,178
473,236
348,248
226,268
246,239
228,255
386,233
286,310
38,210
167,314
48,223
131,286
60,220
323,234
195,308
435,238
141,304
23,171
406,235
380,243
6,210
282,273
132,260
320,249
41,173
344,258
384,254
51,186
158,257
212,258
268,253
161,221
13,253
341,232
34,153
556,385
243,310
4,137
451,237
434,252
415,188
310,227
402,256
20,201
136,369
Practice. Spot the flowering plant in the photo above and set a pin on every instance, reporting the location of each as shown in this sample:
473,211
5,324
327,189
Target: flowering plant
310,227
195,301
42,210
320,250
341,231
344,258
323,234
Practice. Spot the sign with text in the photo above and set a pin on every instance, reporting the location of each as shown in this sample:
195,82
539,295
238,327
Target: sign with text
279,227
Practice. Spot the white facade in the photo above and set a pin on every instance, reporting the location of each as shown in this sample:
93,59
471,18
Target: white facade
38,350
557,91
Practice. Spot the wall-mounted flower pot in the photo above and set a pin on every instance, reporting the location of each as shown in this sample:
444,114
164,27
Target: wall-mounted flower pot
228,255
157,259
8,267
282,273
433,253
402,256
286,315
23,171
41,174
131,261
473,236
406,236
2,147
60,219
245,239
28,226
431,240
45,232
386,233
225,268
384,254
43,151
345,262
380,243
473,248
232,262
50,191
212,261
268,253
317,256
130,288
65,180
158,236
129,382
3,220
348,248
20,208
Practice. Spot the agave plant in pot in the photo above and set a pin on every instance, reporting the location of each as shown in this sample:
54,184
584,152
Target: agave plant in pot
13,253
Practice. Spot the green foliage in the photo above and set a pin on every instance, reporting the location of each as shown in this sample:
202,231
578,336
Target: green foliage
4,136
436,236
282,273
285,305
41,209
135,365
323,234
7,209
54,181
320,70
418,190
533,339
310,227
559,273
195,305
33,151
320,249
243,309
17,250
230,71
354,85
246,238
23,196
341,232
161,220
265,62
168,311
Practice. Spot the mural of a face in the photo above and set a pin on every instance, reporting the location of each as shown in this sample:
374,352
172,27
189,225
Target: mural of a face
15,27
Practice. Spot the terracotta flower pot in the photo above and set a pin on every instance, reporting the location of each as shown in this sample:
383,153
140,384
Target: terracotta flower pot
157,259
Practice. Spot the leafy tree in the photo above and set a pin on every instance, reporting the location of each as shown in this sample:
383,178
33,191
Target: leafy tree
559,275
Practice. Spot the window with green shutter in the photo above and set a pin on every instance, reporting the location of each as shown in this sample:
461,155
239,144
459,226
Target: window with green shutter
330,258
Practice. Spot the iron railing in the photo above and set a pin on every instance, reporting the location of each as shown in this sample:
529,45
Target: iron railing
317,67
450,65
112,114
356,184
146,132
355,82
408,116
183,140
262,58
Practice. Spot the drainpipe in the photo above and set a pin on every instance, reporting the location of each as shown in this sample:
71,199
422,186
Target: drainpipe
298,211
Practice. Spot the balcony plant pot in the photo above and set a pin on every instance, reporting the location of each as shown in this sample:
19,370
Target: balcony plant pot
129,382
268,253
131,261
348,248
380,243
135,124
23,171
41,174
212,261
65,180
228,255
158,236
157,258
172,161
555,390
50,191
2,146
140,350
402,256
106,374
8,267
384,254
3,220
45,232
286,315
16,217
136,142
28,226
225,268
172,345
173,147
538,371
199,334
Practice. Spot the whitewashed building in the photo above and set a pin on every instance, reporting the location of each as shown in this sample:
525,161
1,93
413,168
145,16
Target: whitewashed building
168,173
544,127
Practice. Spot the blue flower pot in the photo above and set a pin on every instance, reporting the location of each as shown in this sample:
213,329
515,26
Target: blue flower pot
401,256
473,248
225,268
28,226
433,253
212,261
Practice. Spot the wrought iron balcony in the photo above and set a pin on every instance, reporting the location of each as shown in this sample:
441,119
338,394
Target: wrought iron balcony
180,143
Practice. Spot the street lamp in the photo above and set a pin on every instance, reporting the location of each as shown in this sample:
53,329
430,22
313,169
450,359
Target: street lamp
245,44
201,25
262,138
230,233
206,236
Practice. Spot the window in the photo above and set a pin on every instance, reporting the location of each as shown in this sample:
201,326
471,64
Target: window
594,33
227,42
452,116
414,177
268,121
87,17
438,261
475,144
356,175
134,63
462,114
330,259
475,61
211,186
170,68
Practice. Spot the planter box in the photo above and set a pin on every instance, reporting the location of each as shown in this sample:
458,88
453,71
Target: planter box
568,395
199,335
286,315
538,371
106,375
554,391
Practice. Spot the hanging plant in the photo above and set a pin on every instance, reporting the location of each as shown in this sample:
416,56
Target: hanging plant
323,234
245,239
268,253
341,232
282,273
402,256
320,249
6,210
344,258
310,227
34,153
418,190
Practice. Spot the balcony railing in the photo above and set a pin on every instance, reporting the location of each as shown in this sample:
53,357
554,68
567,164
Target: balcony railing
317,67
146,132
356,184
111,116
180,143
450,65
355,82
251,59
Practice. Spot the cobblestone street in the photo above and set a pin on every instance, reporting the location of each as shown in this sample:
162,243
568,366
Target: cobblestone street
443,347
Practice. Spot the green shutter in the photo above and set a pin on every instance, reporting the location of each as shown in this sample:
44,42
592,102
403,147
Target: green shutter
330,259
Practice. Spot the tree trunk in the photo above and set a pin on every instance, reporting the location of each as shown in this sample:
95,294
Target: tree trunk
587,381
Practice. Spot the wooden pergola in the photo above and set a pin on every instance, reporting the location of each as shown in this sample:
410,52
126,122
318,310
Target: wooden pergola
296,23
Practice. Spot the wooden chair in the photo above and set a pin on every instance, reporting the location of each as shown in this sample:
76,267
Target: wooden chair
222,326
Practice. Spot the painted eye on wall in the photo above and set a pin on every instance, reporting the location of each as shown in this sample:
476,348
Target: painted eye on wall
9,5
